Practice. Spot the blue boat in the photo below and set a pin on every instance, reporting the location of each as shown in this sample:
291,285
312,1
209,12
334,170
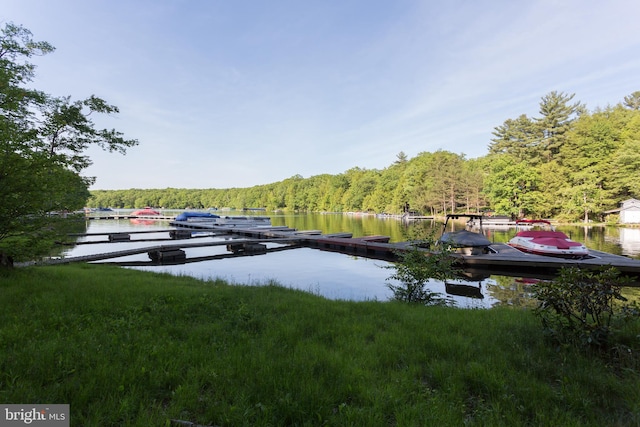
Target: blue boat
195,216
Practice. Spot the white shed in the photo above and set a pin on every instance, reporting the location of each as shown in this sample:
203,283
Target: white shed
630,211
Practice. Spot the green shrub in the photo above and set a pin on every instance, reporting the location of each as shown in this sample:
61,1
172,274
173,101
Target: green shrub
414,270
583,307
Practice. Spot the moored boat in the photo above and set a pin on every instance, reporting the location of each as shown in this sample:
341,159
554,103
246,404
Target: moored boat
542,239
221,221
243,221
196,216
145,212
465,241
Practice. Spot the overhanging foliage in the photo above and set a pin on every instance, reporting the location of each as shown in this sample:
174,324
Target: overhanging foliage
42,144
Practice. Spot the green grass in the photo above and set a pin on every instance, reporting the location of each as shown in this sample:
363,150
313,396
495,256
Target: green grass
124,347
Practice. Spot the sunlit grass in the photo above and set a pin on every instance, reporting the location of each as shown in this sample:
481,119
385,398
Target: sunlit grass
124,347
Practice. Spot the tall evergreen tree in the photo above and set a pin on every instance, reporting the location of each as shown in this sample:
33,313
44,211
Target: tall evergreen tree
633,101
557,116
519,138
401,158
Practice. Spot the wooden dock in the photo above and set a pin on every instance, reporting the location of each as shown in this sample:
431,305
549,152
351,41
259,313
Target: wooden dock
504,259
129,216
168,248
501,259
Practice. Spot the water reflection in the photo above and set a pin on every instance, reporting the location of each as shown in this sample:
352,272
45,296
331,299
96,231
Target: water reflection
513,291
339,276
629,240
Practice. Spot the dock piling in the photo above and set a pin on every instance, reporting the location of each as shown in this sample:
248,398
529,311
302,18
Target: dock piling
170,255
119,237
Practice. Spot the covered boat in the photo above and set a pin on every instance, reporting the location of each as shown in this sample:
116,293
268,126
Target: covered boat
221,221
196,216
543,239
145,212
465,241
243,221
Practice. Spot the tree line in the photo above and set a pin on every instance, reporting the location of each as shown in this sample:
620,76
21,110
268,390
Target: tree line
568,163
430,182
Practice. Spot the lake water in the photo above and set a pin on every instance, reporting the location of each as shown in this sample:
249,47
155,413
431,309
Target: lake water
338,276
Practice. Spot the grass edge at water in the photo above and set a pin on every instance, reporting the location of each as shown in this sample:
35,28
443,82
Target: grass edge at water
125,347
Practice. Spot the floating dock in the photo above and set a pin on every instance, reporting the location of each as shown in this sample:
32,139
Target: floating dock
500,259
129,216
506,260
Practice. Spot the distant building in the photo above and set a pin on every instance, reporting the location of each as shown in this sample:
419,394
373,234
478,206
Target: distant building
629,212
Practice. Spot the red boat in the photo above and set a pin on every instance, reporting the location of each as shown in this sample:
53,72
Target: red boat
145,212
546,241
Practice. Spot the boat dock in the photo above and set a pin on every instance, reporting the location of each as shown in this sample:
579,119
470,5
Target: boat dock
105,215
499,259
506,260
234,245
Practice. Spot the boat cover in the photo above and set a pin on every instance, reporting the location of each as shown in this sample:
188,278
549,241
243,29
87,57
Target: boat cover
464,239
549,238
542,234
145,211
184,216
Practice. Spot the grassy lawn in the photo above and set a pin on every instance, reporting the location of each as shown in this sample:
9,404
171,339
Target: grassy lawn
124,347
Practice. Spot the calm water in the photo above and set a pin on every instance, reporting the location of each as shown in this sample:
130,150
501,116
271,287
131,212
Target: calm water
338,276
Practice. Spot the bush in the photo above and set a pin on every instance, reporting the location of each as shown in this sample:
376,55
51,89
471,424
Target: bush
583,307
414,270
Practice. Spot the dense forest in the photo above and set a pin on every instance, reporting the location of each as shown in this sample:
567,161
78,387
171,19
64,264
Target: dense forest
568,163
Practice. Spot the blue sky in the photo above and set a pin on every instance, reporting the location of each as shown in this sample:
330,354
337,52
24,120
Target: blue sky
227,93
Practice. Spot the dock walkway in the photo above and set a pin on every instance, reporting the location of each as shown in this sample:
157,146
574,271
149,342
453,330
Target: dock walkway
507,260
129,216
500,259
167,248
